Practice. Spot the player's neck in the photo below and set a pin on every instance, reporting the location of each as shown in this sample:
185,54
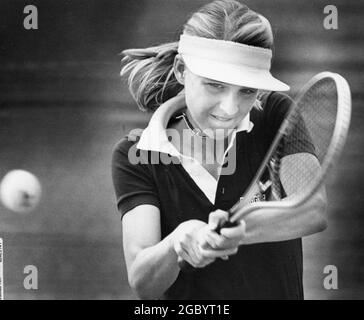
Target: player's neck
196,146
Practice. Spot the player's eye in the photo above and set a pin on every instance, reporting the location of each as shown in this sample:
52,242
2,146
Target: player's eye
248,91
215,85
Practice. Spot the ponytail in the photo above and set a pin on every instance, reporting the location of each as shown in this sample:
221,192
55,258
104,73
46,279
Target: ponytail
150,73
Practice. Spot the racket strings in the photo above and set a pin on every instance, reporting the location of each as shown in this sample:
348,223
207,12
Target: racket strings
313,124
274,170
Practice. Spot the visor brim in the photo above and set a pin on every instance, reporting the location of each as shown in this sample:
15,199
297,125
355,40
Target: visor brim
234,74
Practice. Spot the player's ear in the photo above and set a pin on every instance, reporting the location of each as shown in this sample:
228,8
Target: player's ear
179,69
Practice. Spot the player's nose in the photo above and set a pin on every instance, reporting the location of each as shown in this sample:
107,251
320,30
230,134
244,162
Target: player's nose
229,105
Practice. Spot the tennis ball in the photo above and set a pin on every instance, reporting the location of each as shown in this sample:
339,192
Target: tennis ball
20,191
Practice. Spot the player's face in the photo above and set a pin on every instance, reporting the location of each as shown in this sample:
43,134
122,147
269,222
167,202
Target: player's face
217,105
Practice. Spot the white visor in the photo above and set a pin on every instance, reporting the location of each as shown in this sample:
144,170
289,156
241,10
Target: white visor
229,62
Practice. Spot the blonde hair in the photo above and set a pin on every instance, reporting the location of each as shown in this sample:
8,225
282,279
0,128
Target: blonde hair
151,78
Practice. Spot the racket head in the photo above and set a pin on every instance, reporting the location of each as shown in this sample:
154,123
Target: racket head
318,123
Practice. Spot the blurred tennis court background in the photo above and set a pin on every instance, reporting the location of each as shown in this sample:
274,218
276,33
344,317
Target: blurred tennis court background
63,107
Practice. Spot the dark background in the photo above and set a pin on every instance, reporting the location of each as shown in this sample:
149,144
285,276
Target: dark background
63,107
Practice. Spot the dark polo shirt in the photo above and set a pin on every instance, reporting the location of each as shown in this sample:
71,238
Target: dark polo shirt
257,271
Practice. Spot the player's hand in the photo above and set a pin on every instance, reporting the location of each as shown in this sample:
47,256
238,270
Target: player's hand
227,238
189,244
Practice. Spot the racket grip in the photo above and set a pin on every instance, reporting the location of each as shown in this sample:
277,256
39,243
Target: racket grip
227,224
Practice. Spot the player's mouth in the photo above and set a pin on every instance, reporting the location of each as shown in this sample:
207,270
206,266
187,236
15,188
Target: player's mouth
222,119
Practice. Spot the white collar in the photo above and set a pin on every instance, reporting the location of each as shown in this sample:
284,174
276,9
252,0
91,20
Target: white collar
154,136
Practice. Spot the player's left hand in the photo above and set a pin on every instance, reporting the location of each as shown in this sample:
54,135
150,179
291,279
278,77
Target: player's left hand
228,238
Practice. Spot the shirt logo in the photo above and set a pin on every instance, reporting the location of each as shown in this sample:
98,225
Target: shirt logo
261,194
257,198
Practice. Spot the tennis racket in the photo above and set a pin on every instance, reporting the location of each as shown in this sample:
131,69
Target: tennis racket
318,121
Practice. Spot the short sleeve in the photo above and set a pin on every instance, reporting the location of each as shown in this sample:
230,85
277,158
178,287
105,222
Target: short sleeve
276,107
133,182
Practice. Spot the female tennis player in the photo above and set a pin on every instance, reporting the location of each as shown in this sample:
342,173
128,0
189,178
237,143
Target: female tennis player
216,109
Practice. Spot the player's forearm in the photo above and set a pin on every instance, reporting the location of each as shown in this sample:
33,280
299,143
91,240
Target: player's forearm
268,225
154,270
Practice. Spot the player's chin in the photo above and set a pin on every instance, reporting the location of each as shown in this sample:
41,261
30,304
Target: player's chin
218,134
